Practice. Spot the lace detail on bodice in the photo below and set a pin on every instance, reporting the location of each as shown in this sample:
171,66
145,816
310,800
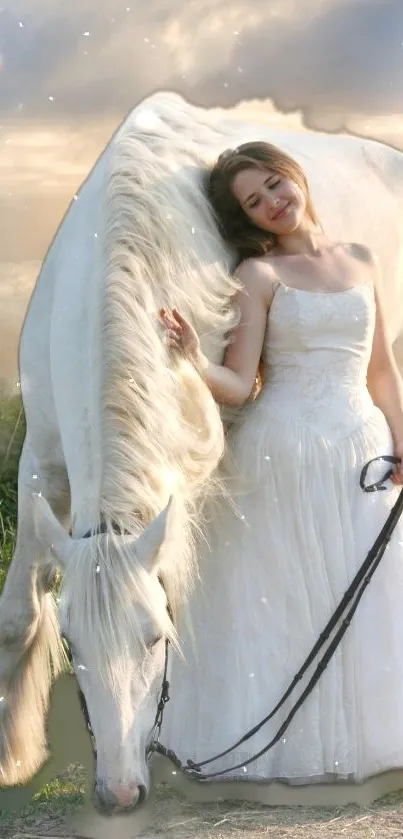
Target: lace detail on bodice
316,354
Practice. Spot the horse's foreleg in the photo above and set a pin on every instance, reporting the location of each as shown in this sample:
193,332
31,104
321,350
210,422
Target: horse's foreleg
30,647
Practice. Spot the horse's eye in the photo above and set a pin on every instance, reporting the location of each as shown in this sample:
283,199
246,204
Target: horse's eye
154,641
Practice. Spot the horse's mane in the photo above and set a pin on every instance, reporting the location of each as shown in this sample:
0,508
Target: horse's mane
161,431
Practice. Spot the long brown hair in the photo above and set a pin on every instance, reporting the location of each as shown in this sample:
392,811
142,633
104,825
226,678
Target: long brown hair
237,229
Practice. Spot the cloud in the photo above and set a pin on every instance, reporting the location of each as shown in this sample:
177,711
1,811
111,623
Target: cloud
16,285
40,170
97,59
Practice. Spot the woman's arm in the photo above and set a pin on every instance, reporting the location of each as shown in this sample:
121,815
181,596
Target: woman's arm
383,378
231,382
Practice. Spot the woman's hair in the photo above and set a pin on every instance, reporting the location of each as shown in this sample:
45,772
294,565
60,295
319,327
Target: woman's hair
237,229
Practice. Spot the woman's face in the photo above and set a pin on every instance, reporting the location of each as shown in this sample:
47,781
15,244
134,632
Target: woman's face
273,202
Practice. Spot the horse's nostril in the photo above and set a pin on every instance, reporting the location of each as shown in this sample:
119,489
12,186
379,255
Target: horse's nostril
142,794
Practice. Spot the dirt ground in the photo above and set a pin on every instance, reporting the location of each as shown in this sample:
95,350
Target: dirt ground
168,814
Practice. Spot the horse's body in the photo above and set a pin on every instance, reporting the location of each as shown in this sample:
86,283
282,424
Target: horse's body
114,429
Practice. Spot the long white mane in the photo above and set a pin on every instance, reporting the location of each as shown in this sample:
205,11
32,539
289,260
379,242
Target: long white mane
161,431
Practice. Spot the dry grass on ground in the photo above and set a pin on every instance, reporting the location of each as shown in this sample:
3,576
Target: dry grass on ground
174,817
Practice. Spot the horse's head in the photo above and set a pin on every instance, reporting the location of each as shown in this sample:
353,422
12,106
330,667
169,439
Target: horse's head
115,618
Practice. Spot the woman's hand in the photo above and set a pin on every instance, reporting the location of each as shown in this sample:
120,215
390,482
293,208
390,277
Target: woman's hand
397,476
180,334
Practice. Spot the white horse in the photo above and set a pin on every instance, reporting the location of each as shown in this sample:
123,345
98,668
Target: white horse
115,427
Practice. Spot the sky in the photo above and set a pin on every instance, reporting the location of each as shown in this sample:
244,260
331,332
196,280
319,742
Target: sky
70,73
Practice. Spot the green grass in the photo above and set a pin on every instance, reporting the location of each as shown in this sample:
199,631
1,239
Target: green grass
50,808
12,430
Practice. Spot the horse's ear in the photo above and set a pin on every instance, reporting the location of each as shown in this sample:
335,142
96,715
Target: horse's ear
147,546
49,531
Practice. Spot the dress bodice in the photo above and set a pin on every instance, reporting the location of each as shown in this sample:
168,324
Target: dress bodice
316,354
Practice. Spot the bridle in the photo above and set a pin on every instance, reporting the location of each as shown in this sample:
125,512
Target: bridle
350,602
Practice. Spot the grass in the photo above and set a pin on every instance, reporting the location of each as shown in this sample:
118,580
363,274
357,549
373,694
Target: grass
49,810
55,812
12,430
179,818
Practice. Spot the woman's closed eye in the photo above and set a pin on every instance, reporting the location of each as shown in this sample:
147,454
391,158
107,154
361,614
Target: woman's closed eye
272,185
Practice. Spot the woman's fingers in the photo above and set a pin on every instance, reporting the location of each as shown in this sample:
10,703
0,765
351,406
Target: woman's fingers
397,476
179,333
169,321
178,317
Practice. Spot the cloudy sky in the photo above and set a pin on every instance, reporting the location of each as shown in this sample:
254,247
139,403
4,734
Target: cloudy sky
99,58
69,74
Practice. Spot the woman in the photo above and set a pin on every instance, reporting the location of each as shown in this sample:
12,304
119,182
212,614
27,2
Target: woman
331,400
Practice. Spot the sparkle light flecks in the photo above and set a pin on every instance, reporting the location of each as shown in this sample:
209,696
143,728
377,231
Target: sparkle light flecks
81,667
98,569
95,235
86,34
264,599
245,769
226,84
75,197
51,98
2,699
284,739
34,477
174,771
193,231
21,24
267,457
18,763
336,763
251,675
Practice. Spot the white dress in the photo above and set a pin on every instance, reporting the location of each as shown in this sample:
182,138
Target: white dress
276,572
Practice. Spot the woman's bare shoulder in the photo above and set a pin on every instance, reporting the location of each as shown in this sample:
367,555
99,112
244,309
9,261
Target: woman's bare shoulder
257,272
361,252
